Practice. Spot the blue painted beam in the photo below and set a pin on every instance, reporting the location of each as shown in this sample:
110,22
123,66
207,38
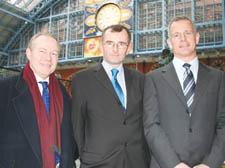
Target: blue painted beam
4,53
14,37
18,16
17,2
41,6
27,4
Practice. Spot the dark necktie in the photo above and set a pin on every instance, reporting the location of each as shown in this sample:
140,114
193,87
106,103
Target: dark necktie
117,87
45,96
188,85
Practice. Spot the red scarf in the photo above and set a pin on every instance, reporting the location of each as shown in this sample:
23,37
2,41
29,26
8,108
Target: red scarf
49,130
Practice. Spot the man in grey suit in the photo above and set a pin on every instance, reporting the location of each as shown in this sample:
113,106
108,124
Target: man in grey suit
184,107
109,130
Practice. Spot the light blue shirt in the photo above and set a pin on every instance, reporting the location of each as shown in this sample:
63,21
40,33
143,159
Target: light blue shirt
120,77
178,65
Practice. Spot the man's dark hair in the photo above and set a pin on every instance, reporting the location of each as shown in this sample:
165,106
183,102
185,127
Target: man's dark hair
117,28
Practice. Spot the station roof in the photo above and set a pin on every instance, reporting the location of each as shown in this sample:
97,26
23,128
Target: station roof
13,14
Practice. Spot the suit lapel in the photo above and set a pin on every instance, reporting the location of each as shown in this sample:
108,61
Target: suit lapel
169,74
202,83
128,82
103,78
27,117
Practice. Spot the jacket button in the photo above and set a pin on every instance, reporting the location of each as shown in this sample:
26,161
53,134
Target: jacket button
124,122
187,111
190,129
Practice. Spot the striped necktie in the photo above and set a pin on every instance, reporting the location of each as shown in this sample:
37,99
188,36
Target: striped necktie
188,85
117,87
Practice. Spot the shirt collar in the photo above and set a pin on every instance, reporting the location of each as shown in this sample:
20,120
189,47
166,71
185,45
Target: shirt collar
179,63
39,79
108,68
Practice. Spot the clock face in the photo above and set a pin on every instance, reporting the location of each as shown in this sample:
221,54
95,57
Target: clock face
108,15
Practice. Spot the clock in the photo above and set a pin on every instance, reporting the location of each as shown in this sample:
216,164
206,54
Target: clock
109,14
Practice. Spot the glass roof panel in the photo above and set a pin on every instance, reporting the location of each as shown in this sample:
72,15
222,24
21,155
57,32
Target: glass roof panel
25,5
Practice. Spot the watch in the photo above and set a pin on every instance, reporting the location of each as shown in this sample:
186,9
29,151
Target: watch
109,14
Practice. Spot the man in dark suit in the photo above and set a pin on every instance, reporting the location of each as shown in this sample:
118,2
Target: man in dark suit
109,128
34,134
184,106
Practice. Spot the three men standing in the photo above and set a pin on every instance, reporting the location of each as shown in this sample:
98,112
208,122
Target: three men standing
184,109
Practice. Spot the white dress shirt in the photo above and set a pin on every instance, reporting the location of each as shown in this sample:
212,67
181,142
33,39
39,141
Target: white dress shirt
120,77
38,79
178,65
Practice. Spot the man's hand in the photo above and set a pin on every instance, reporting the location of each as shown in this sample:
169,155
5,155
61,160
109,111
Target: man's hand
182,165
201,166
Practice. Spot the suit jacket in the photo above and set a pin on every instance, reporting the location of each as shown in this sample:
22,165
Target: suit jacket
172,135
106,136
19,134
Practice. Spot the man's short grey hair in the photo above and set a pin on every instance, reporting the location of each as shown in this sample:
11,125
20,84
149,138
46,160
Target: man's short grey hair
178,18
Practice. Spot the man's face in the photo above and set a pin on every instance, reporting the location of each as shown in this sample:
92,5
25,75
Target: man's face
115,47
43,56
183,39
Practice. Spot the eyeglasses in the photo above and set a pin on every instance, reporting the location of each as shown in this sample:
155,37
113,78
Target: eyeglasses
120,45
